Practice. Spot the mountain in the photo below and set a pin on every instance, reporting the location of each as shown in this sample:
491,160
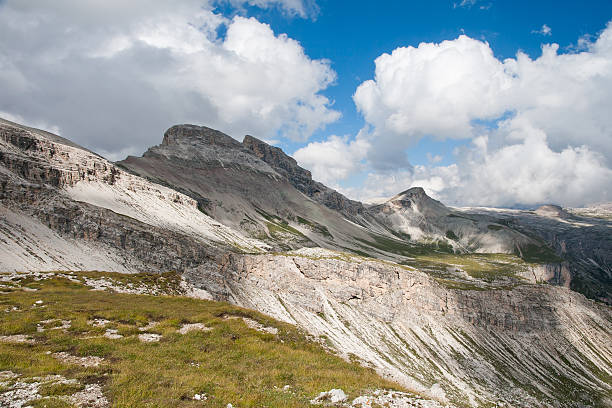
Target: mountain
257,189
419,217
444,314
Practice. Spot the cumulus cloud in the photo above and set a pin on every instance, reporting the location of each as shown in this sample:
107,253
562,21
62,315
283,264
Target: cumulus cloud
545,31
434,89
522,174
434,158
540,128
333,159
112,74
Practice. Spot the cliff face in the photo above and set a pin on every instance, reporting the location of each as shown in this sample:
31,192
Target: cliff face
76,197
530,346
583,244
471,342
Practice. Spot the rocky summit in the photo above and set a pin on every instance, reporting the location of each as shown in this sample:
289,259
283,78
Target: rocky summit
465,307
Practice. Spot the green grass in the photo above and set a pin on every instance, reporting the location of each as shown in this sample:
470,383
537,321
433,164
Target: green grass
321,229
278,230
483,267
59,389
400,247
231,363
538,254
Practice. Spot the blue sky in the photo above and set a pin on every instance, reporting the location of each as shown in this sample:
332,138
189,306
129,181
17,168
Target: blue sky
470,99
352,34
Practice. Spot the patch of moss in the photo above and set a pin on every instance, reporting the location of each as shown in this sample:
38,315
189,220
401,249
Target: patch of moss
59,389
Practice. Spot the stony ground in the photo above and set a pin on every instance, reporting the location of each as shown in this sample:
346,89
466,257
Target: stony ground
72,340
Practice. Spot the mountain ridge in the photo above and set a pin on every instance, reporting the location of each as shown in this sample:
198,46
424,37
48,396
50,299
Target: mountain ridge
468,329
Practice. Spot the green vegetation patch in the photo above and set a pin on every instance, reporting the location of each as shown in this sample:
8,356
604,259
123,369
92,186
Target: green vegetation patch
278,230
316,227
400,247
231,363
537,254
486,268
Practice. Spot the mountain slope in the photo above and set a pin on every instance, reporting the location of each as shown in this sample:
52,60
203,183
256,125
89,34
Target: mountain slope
115,348
421,218
239,189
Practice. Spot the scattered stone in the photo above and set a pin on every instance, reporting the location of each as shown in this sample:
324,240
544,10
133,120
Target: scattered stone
393,399
186,328
112,334
11,309
363,402
333,396
88,361
229,406
19,394
91,397
17,338
98,322
149,326
8,375
286,388
149,337
38,302
65,324
253,324
200,397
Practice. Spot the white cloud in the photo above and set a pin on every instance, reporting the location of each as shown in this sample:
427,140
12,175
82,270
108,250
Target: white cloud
434,158
114,74
545,31
334,159
525,173
304,9
554,145
434,89
471,3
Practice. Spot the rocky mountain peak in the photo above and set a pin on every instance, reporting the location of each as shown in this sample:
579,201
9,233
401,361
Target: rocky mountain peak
275,157
190,134
417,199
416,192
301,178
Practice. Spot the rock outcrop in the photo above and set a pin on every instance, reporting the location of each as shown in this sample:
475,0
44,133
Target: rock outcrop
531,346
